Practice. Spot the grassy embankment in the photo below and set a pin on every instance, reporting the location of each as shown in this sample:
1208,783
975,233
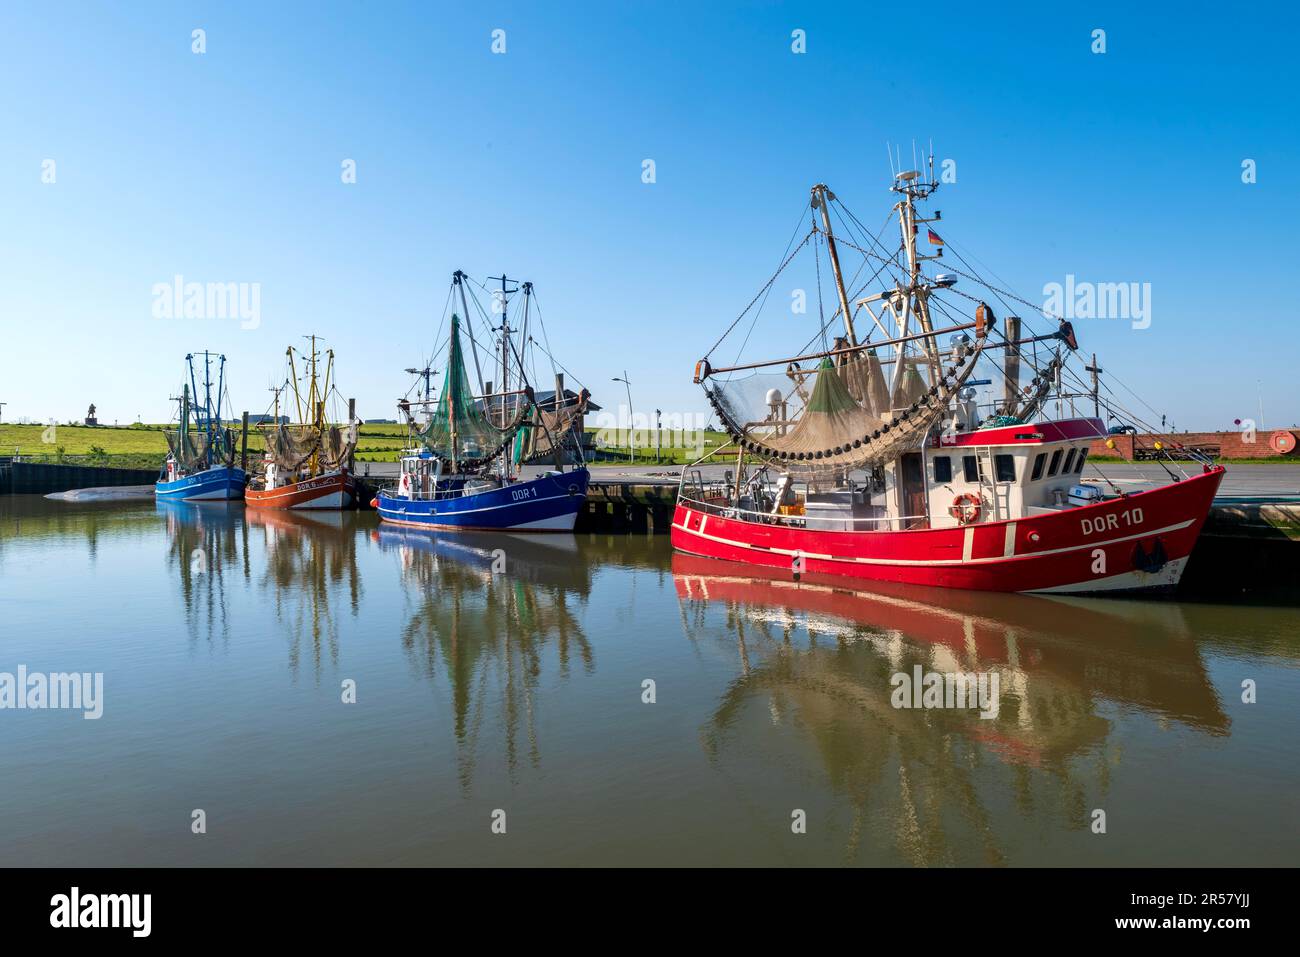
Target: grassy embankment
145,446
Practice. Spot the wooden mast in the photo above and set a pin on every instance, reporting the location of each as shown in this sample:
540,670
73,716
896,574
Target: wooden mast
820,200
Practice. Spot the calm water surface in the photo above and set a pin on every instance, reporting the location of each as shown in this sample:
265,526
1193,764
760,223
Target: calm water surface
225,637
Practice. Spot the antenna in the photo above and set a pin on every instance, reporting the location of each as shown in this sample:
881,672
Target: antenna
427,373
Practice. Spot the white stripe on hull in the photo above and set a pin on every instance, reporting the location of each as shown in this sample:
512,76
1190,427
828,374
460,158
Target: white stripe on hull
334,500
220,494
938,562
558,523
1167,577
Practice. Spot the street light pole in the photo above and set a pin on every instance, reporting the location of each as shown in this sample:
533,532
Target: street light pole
658,435
631,417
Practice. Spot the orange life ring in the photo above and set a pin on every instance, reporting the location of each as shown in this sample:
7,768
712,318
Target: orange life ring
966,508
1282,442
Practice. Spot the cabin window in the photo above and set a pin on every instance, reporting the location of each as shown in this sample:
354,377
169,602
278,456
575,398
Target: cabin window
1078,466
1039,461
1069,462
1004,466
1056,463
942,469
971,469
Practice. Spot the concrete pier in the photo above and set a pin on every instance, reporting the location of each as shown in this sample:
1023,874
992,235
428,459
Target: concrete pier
34,478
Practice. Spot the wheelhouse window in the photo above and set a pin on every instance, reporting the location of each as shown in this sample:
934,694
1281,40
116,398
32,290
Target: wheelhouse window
970,469
942,468
1004,467
1078,466
1069,462
1056,463
1039,461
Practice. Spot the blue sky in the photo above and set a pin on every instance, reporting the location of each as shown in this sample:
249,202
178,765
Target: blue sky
225,167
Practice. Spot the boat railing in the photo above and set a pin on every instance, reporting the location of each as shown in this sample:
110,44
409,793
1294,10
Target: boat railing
436,495
890,523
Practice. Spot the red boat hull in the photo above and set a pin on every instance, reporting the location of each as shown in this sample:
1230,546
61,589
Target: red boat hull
1138,542
334,490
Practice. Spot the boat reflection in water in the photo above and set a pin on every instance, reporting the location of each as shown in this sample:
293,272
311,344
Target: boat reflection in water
486,606
310,577
818,656
204,545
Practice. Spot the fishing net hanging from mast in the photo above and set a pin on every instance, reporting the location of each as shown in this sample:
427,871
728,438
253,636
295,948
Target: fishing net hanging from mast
190,449
460,430
837,417
550,429
290,447
337,445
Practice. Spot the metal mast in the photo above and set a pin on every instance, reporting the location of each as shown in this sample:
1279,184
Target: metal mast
820,200
915,298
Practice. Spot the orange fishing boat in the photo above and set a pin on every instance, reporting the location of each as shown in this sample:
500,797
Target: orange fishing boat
309,465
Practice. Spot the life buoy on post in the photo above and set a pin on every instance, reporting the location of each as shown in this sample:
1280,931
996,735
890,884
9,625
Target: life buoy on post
404,485
966,508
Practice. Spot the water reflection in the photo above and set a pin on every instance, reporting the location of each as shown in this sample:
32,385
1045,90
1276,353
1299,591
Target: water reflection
815,659
204,544
310,578
486,607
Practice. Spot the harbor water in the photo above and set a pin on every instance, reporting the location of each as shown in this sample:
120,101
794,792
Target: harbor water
285,689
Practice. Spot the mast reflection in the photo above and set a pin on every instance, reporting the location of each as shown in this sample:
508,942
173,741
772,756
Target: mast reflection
490,607
817,657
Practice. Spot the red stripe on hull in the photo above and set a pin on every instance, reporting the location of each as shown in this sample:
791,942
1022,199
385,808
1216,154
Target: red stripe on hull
1056,551
308,493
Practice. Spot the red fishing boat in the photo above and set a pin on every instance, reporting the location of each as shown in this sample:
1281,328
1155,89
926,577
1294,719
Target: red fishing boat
876,459
308,465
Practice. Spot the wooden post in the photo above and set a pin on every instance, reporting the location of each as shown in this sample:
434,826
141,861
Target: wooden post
556,436
352,418
1011,366
1096,398
243,455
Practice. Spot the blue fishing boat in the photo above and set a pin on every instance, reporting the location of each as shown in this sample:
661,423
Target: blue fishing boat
200,465
548,503
465,471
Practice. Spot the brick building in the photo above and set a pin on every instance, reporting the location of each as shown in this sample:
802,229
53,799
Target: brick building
1279,444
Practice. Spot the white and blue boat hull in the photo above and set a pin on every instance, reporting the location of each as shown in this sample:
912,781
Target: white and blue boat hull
220,483
549,503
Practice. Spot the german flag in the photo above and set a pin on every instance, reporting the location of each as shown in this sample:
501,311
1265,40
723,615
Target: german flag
935,240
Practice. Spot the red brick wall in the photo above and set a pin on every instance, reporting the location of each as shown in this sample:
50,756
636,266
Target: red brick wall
1232,445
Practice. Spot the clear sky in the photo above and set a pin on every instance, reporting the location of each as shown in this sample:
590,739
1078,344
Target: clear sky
226,167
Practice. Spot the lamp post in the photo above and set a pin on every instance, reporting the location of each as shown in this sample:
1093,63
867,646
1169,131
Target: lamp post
658,435
631,419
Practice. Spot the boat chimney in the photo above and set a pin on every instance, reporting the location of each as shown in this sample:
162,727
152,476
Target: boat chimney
1011,367
556,405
